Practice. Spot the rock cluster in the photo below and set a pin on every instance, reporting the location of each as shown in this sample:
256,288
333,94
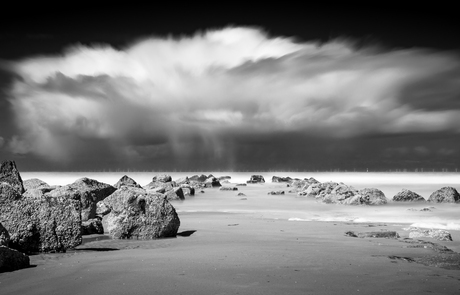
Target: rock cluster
256,179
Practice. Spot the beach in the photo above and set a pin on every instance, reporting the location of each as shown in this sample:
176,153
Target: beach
230,251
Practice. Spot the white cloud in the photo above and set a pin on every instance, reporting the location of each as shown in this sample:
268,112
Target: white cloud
219,83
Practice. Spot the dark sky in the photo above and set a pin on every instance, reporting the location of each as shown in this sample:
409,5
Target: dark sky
230,88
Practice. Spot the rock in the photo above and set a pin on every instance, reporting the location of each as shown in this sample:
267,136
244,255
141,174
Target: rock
241,184
212,182
408,196
318,190
276,193
281,179
445,195
256,179
241,195
183,180
438,234
162,178
426,209
136,214
228,188
35,183
87,191
302,185
11,259
198,178
340,194
175,194
42,225
4,236
188,190
8,192
92,226
377,234
126,181
222,178
10,174
372,196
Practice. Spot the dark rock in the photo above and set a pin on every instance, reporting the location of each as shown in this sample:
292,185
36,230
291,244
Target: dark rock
276,193
34,183
136,214
92,226
256,179
162,178
42,225
87,191
11,259
212,182
228,188
408,196
281,179
241,194
4,236
10,174
377,234
445,195
241,184
188,190
126,181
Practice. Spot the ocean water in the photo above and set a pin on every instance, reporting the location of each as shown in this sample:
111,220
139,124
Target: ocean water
259,204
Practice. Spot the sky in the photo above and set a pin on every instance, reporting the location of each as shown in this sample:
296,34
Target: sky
230,88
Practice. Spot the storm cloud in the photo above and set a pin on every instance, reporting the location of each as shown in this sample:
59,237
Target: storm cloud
227,95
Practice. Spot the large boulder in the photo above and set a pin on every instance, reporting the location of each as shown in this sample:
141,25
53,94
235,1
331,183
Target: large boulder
437,234
10,174
320,189
4,236
198,178
11,259
445,195
406,195
133,213
256,179
162,178
42,225
126,181
87,191
340,194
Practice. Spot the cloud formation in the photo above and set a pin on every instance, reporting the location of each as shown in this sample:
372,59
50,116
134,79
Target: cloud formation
213,92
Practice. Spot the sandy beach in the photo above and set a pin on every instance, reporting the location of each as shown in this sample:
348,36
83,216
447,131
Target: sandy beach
243,253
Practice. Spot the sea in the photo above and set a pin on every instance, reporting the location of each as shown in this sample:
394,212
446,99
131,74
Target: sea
257,203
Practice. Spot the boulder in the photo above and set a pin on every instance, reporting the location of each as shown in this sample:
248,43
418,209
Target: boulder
11,259
4,236
87,191
340,194
162,178
256,179
182,180
281,179
92,226
228,188
133,213
438,234
303,184
175,194
42,225
407,196
10,174
35,183
318,190
126,181
198,178
372,196
445,195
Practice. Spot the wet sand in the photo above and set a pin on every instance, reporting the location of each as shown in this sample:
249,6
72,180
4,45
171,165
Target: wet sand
242,253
